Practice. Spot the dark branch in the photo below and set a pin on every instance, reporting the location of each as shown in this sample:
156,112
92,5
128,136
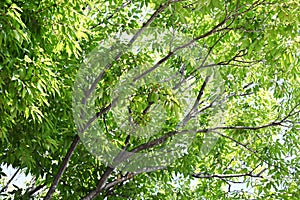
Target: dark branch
171,53
221,176
194,109
99,187
62,167
31,192
129,176
9,181
87,95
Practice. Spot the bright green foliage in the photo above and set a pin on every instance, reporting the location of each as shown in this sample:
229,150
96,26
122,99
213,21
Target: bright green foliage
255,47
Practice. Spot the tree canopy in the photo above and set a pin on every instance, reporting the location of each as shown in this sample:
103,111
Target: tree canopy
235,122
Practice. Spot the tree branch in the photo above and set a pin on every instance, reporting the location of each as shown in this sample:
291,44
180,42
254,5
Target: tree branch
31,192
87,95
171,53
238,127
129,176
155,14
62,168
221,176
136,35
274,123
99,187
164,138
210,32
10,180
196,103
206,57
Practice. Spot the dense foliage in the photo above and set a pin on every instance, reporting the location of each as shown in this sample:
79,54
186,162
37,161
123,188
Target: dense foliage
253,45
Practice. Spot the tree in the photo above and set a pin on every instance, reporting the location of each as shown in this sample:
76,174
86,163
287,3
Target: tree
242,57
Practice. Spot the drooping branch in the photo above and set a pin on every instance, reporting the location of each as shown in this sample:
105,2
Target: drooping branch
221,176
271,124
228,178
